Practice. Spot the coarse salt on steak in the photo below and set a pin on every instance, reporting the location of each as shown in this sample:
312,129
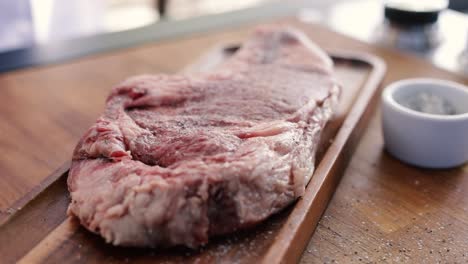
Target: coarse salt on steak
176,159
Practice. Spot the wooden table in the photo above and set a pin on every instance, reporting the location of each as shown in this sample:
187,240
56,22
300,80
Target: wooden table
383,210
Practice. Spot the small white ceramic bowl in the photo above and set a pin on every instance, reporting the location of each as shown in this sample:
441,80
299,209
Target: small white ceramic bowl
421,139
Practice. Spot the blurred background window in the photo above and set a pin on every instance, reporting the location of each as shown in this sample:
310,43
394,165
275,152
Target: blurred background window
25,22
28,22
17,25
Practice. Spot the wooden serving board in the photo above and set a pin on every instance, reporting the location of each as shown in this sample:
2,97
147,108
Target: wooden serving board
37,229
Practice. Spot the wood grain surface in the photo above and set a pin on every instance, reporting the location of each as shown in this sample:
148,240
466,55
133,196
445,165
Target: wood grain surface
383,210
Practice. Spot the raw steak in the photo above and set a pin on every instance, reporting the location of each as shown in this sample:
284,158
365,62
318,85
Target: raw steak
176,159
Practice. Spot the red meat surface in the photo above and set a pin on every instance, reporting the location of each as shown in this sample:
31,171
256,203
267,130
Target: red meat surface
176,159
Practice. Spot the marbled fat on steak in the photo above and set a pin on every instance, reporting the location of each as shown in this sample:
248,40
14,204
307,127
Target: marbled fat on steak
176,159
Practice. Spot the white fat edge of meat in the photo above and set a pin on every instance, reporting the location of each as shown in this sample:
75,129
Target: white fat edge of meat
327,111
266,129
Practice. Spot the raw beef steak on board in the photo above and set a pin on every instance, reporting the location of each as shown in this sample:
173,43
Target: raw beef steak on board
176,159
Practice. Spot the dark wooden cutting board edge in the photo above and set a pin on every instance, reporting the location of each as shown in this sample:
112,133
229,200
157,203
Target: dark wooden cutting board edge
297,230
